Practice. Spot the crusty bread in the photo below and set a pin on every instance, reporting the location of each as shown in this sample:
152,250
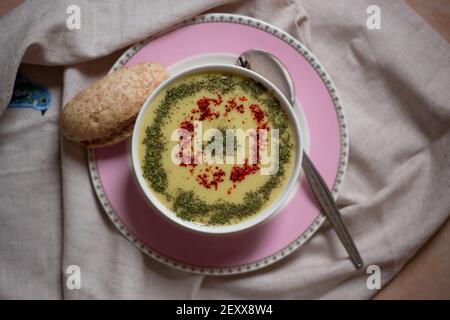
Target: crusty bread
104,113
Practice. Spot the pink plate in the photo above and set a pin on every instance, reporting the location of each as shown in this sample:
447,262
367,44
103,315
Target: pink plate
299,219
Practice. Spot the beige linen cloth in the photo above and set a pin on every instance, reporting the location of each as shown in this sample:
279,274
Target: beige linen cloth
394,84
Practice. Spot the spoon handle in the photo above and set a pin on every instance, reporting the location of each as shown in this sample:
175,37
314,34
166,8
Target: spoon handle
328,205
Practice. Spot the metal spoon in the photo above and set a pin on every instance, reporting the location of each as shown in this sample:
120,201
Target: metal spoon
273,69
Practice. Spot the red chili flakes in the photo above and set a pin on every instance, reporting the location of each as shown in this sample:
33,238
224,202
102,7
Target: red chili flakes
191,170
217,177
258,113
232,105
238,173
259,116
187,125
243,98
264,125
217,101
204,108
203,180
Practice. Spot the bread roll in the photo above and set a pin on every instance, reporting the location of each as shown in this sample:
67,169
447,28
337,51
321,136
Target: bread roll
104,113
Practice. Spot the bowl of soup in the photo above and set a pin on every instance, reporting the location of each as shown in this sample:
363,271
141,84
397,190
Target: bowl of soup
217,149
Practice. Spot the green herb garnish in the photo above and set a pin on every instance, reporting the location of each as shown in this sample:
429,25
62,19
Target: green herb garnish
187,204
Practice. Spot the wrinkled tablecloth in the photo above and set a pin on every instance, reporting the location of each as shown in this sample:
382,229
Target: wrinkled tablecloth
395,87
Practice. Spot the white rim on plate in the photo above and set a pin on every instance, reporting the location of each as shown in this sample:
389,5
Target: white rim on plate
315,225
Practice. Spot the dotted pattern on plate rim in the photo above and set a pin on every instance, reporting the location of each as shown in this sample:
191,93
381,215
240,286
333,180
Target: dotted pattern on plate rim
315,225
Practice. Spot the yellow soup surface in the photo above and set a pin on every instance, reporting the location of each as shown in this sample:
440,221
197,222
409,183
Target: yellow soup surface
211,184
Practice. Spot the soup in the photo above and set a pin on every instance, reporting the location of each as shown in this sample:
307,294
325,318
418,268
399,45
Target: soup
216,148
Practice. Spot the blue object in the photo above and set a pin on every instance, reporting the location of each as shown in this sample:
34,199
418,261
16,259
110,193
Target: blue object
29,94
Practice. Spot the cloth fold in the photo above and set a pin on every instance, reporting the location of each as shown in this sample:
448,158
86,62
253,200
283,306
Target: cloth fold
393,83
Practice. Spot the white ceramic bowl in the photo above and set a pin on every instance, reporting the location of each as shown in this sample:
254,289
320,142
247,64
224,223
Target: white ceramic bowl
252,221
